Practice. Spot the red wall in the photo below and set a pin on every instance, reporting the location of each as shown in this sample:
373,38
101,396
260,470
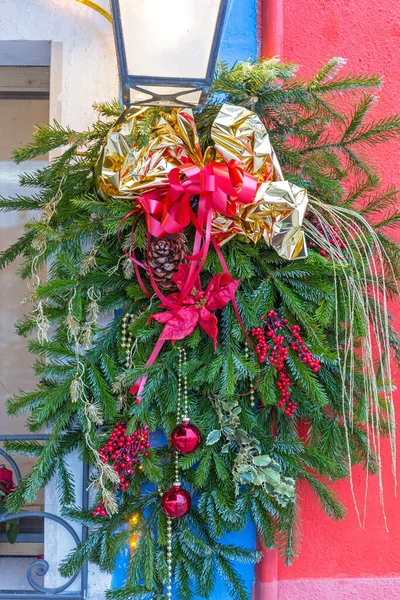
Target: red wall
367,34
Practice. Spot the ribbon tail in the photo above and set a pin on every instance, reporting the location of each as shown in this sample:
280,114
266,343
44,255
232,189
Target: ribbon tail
193,269
136,263
138,386
237,313
199,250
232,296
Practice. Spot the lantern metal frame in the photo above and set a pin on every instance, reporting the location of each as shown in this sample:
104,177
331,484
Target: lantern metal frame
138,82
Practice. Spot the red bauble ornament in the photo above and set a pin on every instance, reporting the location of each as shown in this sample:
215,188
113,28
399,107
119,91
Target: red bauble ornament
176,502
185,437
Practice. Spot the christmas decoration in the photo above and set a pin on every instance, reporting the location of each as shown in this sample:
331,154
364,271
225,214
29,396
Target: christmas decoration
249,465
169,558
126,339
277,216
185,437
176,502
239,188
163,258
194,309
181,320
6,480
7,486
100,510
124,450
233,188
279,353
134,538
206,192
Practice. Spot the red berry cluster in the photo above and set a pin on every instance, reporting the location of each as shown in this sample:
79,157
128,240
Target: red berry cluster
334,240
279,353
124,451
100,510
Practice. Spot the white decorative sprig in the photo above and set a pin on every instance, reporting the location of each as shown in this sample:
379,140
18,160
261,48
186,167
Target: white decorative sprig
91,410
89,261
39,243
42,323
92,317
360,287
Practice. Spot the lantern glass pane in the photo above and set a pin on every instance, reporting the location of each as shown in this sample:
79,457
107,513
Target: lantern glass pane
168,38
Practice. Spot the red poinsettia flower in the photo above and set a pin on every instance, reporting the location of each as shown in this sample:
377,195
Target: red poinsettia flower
6,480
196,308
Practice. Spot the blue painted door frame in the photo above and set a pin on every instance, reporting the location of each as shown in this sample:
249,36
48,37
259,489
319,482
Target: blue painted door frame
239,43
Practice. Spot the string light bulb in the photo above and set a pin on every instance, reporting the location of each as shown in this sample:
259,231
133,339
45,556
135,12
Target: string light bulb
133,542
134,520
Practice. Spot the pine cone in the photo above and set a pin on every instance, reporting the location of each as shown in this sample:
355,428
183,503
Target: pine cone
163,258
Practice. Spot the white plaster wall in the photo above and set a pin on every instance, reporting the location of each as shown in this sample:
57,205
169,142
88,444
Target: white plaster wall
87,67
83,71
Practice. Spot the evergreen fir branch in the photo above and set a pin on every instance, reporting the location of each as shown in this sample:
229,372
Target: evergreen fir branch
390,221
20,203
328,71
23,447
376,132
65,484
357,118
21,246
329,500
41,474
383,200
358,165
109,109
233,581
132,593
350,83
76,559
47,138
308,382
288,538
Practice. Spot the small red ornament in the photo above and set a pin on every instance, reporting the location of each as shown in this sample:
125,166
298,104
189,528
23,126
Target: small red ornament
176,502
185,437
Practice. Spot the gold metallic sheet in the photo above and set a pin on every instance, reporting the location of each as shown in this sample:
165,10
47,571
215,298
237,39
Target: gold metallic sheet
126,170
277,216
239,135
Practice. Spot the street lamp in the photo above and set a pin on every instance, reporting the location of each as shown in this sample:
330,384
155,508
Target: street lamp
167,49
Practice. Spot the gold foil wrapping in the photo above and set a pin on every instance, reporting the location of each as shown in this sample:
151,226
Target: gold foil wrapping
277,216
126,170
239,135
279,207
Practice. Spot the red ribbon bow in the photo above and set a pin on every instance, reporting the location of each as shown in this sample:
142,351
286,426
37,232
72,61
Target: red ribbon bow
195,308
220,187
168,209
182,319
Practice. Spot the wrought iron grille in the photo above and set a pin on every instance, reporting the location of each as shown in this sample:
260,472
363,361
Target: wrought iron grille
40,567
